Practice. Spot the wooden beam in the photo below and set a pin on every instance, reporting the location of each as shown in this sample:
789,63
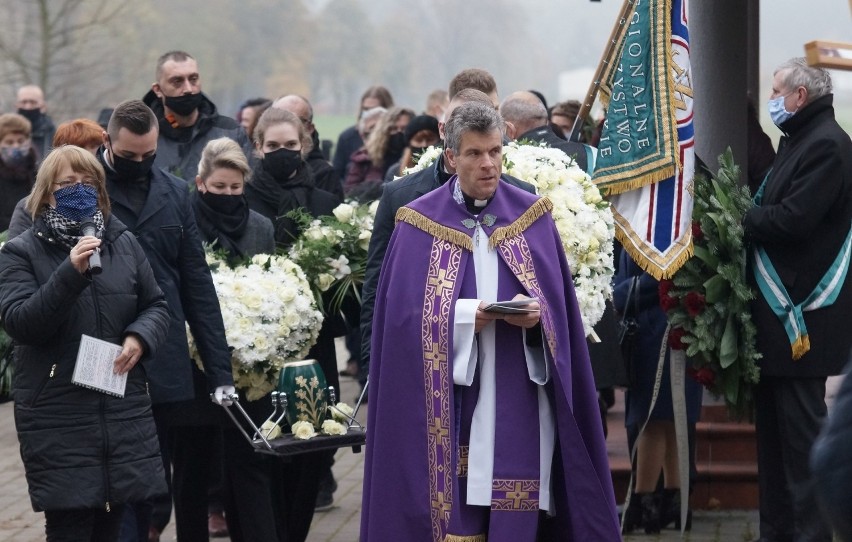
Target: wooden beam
829,54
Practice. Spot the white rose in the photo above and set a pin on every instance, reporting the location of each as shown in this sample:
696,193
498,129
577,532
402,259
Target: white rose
344,212
324,281
331,427
303,430
341,412
270,430
373,206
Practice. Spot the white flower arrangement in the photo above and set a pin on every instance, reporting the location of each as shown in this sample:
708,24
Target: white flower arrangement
331,427
270,317
583,219
333,249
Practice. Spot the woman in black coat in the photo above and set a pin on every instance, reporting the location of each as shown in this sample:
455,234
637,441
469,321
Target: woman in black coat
86,453
281,182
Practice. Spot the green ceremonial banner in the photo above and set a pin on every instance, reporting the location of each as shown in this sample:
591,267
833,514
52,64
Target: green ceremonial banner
638,144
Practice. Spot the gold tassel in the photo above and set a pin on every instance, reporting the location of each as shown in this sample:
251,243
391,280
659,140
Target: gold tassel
801,346
536,211
422,222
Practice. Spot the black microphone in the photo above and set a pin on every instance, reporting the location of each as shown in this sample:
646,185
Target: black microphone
87,227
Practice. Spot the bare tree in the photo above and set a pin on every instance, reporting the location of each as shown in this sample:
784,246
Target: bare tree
63,46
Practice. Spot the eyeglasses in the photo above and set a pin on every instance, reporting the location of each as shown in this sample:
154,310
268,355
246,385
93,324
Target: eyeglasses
65,183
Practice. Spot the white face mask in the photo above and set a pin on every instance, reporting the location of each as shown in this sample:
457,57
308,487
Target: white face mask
777,112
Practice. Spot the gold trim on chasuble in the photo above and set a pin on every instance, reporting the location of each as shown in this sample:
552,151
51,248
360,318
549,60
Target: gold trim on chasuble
441,281
516,253
515,495
464,454
466,538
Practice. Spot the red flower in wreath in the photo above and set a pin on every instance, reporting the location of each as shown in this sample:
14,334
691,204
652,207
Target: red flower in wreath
703,375
697,234
666,301
675,336
694,303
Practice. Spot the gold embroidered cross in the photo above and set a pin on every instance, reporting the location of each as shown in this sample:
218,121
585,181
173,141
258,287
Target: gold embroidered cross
438,429
435,356
440,282
440,504
517,496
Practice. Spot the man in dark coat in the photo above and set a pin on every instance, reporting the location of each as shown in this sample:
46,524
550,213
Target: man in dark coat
31,104
188,119
526,120
325,176
156,207
800,232
398,194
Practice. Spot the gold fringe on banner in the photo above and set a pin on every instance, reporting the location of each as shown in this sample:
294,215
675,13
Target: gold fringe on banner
648,265
422,222
536,211
613,188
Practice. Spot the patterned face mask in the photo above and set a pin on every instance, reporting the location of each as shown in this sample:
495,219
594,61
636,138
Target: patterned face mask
77,202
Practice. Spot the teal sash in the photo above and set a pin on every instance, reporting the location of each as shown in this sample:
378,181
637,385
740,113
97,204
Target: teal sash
792,315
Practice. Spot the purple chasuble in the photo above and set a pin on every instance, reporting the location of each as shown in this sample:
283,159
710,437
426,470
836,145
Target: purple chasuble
419,422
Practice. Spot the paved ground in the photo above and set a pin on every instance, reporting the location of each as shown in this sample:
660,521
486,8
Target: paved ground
18,523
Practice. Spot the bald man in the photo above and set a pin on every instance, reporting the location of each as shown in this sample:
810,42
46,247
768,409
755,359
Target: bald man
526,120
30,103
325,176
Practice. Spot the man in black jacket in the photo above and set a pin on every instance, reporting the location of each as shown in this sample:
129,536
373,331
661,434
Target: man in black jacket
325,177
187,118
526,120
397,194
155,206
30,103
801,237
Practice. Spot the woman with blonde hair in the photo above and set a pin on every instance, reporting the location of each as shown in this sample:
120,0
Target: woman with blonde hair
383,147
86,453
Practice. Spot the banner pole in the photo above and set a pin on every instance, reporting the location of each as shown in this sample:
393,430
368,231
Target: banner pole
615,38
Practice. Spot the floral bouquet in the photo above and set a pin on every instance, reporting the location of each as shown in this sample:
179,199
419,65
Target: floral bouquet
270,317
584,220
707,300
338,420
332,250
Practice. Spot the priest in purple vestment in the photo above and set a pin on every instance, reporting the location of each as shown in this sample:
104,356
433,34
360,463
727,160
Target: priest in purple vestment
483,422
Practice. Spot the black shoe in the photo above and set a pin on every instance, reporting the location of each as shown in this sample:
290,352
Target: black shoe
670,510
325,501
650,512
632,515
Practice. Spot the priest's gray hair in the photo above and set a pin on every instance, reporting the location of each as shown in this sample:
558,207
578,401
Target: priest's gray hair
470,117
797,74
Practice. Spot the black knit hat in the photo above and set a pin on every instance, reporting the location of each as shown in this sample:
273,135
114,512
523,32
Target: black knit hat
420,122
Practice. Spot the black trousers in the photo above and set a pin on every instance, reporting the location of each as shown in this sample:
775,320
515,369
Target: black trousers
789,413
267,498
83,525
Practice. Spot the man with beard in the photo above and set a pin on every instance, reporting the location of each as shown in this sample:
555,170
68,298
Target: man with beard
187,117
31,105
325,176
155,206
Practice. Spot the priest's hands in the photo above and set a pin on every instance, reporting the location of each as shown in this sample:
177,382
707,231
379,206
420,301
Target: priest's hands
526,320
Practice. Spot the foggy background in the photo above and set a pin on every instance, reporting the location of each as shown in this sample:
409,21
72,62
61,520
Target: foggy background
90,54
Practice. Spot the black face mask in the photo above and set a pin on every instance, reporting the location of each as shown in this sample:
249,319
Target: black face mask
131,170
396,144
226,204
281,163
184,104
416,152
31,115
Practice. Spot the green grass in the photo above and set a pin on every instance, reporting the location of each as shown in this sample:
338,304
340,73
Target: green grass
330,126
